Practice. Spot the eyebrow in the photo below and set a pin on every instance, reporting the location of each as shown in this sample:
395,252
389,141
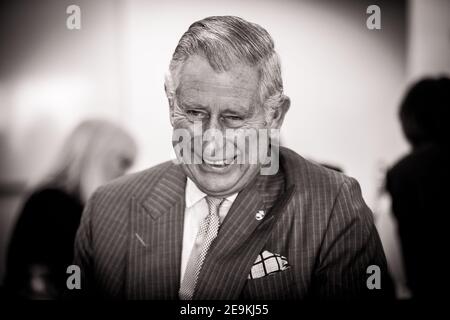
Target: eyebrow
185,105
240,110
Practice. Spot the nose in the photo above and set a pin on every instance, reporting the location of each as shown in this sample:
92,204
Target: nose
213,138
213,123
213,144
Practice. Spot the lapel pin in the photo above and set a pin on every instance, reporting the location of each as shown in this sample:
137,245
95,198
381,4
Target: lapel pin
260,214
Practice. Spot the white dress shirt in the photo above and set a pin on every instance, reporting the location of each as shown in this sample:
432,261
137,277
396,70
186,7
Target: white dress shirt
196,210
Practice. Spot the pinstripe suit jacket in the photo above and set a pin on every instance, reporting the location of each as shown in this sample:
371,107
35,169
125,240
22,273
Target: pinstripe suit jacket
129,242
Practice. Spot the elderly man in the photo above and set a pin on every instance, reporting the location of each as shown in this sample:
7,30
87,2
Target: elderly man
214,225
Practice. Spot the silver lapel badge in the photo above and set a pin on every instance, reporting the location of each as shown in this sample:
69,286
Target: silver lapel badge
260,215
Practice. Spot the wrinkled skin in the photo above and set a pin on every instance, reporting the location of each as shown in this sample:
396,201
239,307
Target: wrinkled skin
219,101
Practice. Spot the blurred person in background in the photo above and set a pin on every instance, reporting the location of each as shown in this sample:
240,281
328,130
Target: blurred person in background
41,246
419,187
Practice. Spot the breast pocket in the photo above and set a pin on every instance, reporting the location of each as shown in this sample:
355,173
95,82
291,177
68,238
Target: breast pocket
275,286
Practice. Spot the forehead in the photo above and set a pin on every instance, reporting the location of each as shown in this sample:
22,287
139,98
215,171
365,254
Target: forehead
198,80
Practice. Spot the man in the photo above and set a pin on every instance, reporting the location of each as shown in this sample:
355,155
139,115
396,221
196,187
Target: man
213,226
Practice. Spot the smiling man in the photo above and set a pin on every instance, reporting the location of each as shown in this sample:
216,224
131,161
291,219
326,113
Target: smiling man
214,224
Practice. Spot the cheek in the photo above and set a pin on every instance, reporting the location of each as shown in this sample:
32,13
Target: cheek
179,118
181,121
257,121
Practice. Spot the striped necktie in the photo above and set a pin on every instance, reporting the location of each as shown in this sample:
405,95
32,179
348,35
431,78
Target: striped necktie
207,232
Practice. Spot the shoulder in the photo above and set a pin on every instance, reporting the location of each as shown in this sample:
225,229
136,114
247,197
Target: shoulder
310,176
114,198
133,184
111,204
320,191
424,159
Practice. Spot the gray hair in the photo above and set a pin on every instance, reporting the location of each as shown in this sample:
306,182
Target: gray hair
225,41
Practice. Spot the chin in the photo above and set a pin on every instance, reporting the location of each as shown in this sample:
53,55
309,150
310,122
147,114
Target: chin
215,187
218,188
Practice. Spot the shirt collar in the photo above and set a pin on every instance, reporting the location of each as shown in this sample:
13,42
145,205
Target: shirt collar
194,194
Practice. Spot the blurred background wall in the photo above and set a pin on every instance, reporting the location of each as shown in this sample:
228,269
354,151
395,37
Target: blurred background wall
344,80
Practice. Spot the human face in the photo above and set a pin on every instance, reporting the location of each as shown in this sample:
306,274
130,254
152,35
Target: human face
219,101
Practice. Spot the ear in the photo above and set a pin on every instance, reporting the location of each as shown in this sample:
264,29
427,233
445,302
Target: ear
171,100
277,114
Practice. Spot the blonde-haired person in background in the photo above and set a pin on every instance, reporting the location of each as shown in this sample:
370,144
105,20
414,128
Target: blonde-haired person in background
41,247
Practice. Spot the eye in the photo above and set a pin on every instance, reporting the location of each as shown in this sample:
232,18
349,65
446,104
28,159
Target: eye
196,115
233,121
234,118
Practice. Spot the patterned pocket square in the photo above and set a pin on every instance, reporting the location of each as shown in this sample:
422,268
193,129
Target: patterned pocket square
267,263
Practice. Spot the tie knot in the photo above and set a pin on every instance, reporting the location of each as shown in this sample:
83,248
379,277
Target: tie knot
214,203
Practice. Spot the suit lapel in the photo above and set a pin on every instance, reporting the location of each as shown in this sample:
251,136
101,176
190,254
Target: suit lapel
156,230
240,239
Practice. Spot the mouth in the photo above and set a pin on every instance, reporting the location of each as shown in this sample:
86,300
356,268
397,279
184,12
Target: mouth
220,164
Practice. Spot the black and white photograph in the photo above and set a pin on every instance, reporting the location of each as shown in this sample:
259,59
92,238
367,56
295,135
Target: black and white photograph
224,155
